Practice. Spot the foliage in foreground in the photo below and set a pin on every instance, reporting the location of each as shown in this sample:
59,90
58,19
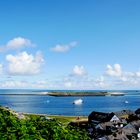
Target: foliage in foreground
36,128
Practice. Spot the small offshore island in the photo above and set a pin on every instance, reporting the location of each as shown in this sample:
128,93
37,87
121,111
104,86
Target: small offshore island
85,93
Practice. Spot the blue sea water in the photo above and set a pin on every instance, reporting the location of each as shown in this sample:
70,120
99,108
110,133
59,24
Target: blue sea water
43,104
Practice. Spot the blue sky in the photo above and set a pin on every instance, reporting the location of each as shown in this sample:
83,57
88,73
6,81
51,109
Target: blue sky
70,44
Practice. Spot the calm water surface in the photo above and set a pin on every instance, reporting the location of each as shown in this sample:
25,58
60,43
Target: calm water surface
64,105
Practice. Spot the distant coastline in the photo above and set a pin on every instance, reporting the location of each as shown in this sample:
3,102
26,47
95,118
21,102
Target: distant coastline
68,93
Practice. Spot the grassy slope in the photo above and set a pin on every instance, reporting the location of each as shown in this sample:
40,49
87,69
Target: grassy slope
63,119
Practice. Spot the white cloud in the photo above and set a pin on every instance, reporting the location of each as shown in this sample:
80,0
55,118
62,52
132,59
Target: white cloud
68,84
87,82
42,82
24,63
129,74
1,68
114,71
13,84
100,81
138,74
122,79
28,64
79,70
63,48
23,84
117,79
16,43
39,84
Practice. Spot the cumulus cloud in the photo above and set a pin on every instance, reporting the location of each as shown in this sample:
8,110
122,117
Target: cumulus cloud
131,78
114,79
122,79
79,70
24,63
114,71
117,79
60,48
16,43
80,79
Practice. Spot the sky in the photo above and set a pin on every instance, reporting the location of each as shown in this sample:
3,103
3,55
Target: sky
70,44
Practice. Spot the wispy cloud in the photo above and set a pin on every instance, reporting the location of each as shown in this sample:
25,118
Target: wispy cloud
1,68
14,84
60,48
23,84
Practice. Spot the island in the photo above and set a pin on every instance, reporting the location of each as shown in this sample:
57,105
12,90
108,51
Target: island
84,93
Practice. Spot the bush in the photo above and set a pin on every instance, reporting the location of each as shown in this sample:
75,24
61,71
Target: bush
36,128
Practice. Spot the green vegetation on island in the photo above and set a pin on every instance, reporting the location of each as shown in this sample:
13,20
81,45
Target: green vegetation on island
81,93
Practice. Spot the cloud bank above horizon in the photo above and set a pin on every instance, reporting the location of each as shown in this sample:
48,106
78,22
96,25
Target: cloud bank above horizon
22,64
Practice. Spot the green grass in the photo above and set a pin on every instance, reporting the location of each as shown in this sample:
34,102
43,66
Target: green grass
63,119
66,119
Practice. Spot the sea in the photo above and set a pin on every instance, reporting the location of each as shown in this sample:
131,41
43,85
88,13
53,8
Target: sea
24,101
